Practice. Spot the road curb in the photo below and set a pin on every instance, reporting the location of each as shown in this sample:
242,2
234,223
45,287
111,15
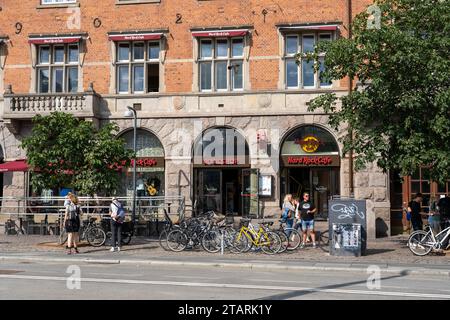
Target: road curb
270,266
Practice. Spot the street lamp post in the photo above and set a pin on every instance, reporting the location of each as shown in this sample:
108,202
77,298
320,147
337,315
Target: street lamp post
131,112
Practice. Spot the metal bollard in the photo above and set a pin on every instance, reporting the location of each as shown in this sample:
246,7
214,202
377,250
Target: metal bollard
221,242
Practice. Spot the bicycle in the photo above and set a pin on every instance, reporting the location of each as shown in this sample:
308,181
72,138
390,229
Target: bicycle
126,234
190,233
422,242
291,236
248,237
221,233
168,227
89,231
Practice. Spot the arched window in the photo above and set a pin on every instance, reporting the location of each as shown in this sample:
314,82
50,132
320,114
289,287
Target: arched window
309,140
150,165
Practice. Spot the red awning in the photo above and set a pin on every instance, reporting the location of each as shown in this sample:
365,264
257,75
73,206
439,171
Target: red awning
220,33
18,165
51,40
330,27
136,36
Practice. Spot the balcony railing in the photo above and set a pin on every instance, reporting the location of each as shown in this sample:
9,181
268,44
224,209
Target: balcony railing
24,106
38,103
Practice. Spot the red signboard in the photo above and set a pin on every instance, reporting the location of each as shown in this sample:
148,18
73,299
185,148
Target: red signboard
220,33
220,162
311,161
51,40
133,37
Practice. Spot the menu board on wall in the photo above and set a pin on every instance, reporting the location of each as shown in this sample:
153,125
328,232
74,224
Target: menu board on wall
265,185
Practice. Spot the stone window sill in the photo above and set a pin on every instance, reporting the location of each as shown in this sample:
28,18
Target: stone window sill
62,5
119,3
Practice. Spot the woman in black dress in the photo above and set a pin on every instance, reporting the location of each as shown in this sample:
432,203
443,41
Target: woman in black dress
72,223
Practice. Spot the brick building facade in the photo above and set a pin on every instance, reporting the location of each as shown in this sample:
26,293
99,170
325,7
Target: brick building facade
189,67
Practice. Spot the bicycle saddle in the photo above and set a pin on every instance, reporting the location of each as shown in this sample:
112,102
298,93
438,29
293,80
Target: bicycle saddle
267,223
92,219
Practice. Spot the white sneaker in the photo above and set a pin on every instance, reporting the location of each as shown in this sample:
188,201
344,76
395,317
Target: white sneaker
112,249
118,249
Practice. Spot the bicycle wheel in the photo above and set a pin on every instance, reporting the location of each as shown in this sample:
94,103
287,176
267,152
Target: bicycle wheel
420,243
95,236
273,244
63,236
177,240
324,238
284,241
212,241
240,243
163,240
295,239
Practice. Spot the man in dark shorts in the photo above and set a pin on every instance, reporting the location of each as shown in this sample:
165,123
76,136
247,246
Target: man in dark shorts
307,211
415,209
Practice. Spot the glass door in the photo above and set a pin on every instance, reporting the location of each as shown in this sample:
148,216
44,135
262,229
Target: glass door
324,184
250,197
209,190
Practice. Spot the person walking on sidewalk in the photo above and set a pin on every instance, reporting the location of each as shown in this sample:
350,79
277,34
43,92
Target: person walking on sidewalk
415,209
117,213
307,211
72,223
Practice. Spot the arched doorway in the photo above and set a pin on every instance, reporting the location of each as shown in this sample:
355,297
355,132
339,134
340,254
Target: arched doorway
221,167
310,162
149,165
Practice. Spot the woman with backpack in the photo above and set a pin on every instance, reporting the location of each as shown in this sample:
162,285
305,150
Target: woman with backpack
117,214
72,223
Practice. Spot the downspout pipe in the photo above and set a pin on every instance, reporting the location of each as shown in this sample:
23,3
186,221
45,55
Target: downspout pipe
350,89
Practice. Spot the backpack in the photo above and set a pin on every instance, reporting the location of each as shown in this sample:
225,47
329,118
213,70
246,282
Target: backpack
74,211
120,217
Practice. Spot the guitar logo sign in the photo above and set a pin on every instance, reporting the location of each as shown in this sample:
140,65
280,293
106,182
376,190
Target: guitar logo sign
309,144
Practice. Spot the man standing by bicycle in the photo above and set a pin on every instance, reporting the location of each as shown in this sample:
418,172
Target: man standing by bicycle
307,211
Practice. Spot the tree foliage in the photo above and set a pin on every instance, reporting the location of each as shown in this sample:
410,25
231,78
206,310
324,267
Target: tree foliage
400,113
69,152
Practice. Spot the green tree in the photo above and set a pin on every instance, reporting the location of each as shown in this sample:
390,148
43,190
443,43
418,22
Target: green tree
66,151
400,112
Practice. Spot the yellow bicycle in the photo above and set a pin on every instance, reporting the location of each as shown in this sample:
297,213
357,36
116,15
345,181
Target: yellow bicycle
247,237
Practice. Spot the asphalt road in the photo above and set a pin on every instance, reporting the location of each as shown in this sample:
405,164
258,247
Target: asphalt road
39,280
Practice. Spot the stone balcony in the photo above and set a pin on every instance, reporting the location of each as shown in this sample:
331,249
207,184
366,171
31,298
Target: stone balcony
24,106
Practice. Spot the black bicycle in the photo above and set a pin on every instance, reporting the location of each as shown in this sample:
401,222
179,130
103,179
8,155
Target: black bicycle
126,234
190,233
89,231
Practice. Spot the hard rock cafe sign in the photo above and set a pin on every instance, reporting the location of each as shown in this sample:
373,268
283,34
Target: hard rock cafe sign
309,144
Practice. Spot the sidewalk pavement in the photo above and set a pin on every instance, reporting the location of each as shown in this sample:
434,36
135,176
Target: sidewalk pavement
391,255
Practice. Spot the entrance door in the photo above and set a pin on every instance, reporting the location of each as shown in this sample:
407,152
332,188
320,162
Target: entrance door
323,187
209,190
320,183
250,197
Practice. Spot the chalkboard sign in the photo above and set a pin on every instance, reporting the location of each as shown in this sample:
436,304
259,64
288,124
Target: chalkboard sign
348,212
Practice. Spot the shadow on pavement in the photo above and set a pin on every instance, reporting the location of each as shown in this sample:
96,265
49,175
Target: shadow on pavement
299,293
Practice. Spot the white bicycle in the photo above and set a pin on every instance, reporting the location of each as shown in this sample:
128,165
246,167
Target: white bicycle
422,242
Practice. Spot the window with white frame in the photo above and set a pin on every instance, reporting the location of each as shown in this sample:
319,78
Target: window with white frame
303,75
221,64
57,68
58,1
137,66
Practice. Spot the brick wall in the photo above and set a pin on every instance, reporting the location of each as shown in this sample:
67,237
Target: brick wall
263,72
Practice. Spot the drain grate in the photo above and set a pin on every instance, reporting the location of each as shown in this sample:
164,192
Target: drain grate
10,271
